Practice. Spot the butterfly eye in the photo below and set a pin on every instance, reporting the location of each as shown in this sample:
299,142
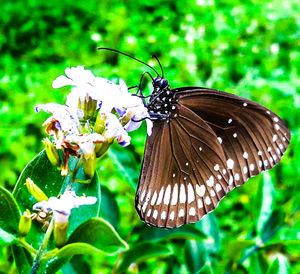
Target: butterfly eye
163,83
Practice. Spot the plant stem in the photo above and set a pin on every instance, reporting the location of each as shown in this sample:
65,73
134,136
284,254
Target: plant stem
38,258
27,246
43,246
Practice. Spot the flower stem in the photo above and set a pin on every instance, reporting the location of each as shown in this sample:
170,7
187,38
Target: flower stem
36,263
27,246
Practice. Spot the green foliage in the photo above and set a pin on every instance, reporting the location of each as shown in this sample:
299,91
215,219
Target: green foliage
249,48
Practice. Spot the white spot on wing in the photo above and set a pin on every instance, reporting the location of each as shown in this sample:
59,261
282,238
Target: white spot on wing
192,211
212,193
191,195
260,163
275,137
276,119
277,127
144,206
155,213
245,104
220,140
259,153
234,135
200,190
153,200
174,195
230,180
245,169
237,177
216,167
172,215
219,177
181,213
230,163
160,196
167,195
182,196
149,212
245,155
229,121
251,167
163,215
199,203
269,149
143,195
218,187
207,200
266,162
210,181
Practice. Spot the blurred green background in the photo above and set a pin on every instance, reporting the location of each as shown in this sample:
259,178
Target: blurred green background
250,48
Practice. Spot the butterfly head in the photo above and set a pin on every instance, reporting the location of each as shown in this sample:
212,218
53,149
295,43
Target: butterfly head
160,83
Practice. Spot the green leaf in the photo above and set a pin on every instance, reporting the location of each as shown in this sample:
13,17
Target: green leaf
9,212
78,264
99,234
70,250
22,259
195,255
280,265
272,225
109,209
209,226
184,232
265,195
125,163
233,251
48,178
206,269
143,251
6,238
94,236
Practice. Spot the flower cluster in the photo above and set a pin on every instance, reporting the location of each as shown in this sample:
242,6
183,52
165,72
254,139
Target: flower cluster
96,113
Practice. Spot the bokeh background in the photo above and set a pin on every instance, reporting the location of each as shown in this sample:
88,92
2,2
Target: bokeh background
249,48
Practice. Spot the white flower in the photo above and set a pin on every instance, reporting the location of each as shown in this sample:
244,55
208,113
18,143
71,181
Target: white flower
85,141
114,129
139,113
66,118
62,206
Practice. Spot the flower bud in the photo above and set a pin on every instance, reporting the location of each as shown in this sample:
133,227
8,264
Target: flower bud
126,117
100,123
35,191
89,164
101,148
61,225
51,152
25,223
88,105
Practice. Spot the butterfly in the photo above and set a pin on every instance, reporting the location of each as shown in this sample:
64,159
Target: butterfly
204,143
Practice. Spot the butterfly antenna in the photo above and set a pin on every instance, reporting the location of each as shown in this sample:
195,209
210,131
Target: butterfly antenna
114,50
162,71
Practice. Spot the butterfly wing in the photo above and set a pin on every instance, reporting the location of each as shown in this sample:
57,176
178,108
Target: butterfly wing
213,142
253,137
181,178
